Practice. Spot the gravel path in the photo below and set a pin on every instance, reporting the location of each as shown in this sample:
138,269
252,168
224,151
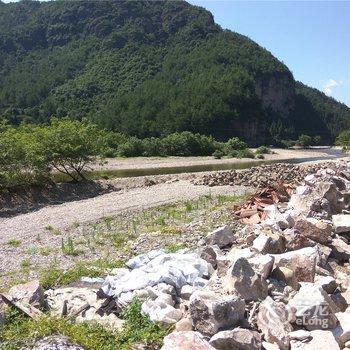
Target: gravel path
26,228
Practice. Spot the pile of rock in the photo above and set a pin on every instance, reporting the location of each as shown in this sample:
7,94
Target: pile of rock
280,284
263,175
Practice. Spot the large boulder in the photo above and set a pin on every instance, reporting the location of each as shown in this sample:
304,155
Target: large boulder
238,339
341,223
222,237
242,280
301,261
274,322
211,312
314,309
316,230
30,293
185,340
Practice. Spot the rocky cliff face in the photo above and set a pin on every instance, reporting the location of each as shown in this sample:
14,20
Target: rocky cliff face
277,92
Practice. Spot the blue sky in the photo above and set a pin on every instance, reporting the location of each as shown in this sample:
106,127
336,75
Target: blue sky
311,37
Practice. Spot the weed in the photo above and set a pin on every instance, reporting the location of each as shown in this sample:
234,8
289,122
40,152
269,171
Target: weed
53,230
19,331
53,276
25,264
76,224
173,248
14,243
108,221
69,248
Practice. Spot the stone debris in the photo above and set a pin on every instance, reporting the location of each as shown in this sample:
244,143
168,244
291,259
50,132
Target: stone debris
280,282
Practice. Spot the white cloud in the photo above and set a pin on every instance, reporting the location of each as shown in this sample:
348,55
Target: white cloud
330,84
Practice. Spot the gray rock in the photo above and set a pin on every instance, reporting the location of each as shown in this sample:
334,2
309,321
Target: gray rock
30,293
210,254
185,340
340,250
222,237
341,223
342,331
274,322
54,343
262,264
269,242
185,324
276,218
314,229
238,339
210,312
295,240
327,283
314,309
242,280
160,311
320,340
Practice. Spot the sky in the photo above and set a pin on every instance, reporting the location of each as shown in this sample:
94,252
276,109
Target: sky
311,37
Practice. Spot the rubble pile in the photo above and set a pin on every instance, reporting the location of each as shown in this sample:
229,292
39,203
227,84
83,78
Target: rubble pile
264,175
255,208
282,283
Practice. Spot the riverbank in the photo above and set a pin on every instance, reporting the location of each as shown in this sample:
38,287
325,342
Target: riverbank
171,162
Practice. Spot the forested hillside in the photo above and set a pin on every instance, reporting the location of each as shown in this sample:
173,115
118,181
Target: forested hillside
149,68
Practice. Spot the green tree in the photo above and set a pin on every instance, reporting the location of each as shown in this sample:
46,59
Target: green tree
343,139
69,145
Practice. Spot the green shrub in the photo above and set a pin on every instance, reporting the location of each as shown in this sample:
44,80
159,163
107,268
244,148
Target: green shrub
260,156
243,153
304,141
263,150
218,154
288,143
235,144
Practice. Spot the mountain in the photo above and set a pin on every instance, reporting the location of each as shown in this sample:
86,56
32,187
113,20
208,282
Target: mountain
149,68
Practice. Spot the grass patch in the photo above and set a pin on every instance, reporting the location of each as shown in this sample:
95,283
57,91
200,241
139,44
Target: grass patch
173,248
18,331
14,243
53,276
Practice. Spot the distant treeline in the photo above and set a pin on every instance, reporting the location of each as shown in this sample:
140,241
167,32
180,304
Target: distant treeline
29,154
